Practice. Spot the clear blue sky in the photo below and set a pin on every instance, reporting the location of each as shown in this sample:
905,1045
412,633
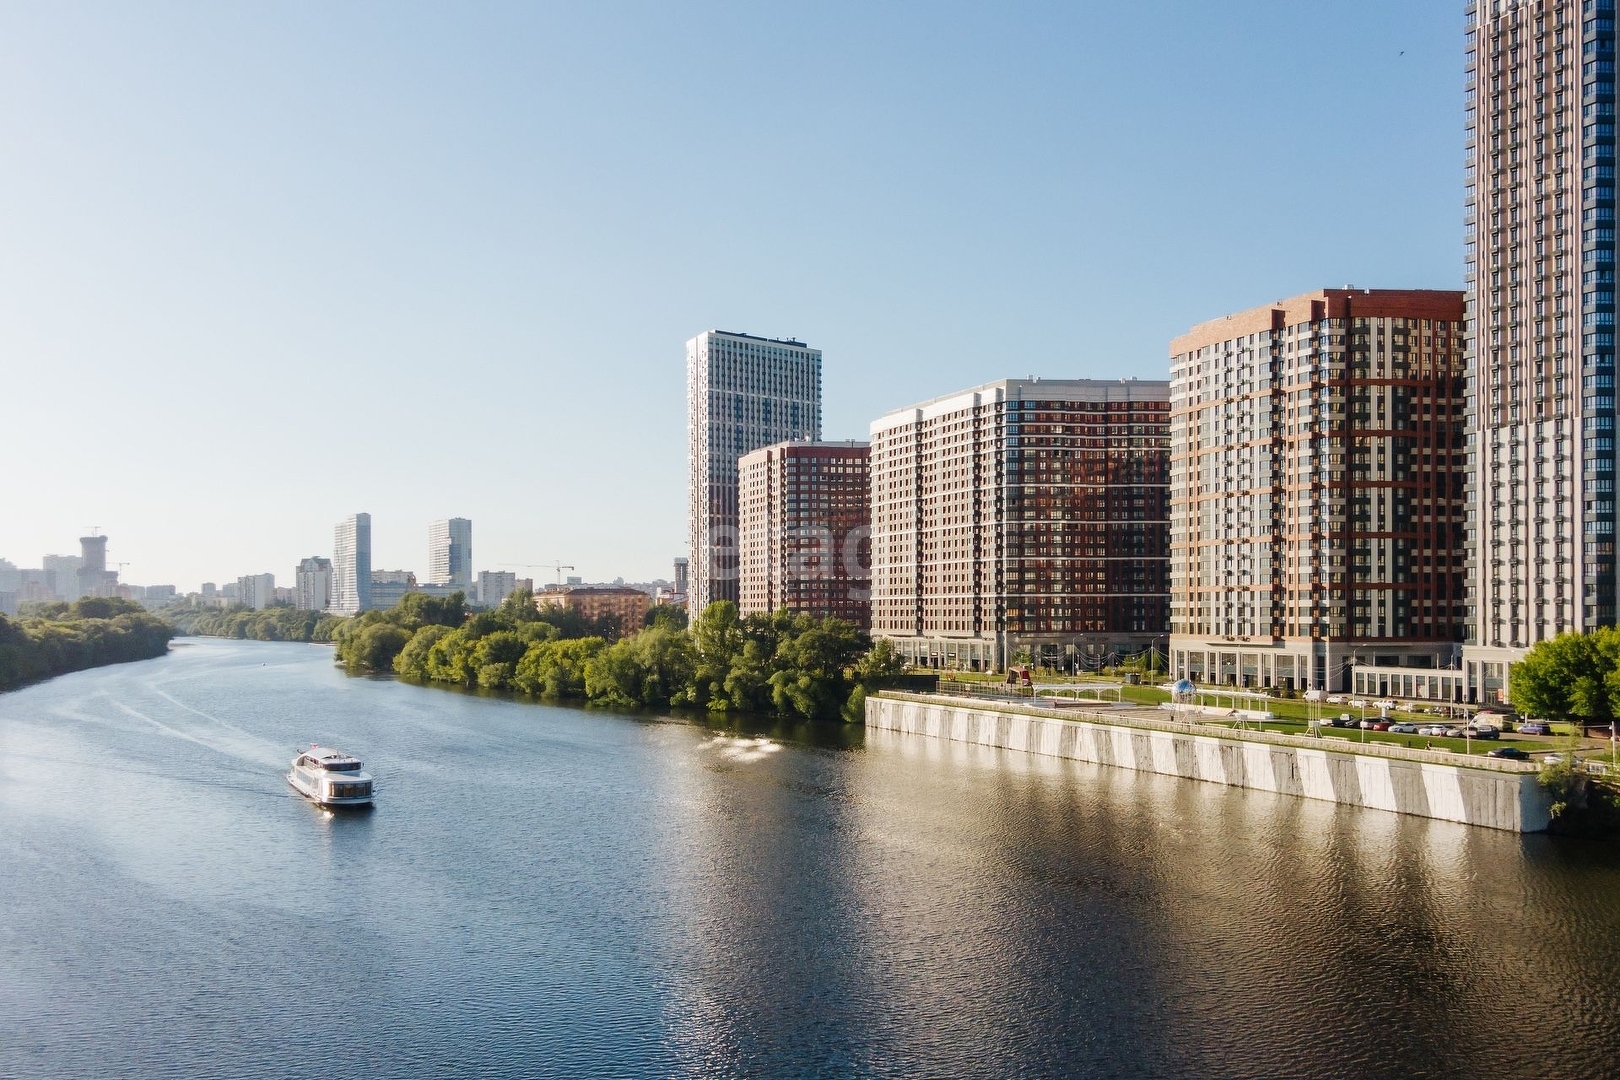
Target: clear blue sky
265,265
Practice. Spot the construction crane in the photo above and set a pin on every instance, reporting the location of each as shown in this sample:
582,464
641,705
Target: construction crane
558,567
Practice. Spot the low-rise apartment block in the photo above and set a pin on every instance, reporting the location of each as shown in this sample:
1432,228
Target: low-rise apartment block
626,606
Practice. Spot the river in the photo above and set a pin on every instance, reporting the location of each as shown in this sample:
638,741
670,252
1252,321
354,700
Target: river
547,891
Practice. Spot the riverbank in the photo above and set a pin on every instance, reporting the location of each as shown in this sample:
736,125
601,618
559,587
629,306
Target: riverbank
1486,792
64,638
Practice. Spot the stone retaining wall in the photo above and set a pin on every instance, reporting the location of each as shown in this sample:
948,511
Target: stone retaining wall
1492,795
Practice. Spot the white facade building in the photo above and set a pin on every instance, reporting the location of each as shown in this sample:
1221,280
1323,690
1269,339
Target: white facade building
257,591
351,565
742,393
66,571
450,552
495,586
313,584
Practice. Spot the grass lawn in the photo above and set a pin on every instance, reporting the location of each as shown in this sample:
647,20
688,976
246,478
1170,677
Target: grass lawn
1291,717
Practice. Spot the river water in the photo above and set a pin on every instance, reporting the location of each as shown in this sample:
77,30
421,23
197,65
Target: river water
565,892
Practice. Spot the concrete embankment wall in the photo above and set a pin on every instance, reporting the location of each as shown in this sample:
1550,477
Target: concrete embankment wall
1494,795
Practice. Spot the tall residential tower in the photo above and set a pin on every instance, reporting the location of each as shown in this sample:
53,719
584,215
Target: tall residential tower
1023,517
1316,517
742,393
450,552
351,565
313,582
1540,262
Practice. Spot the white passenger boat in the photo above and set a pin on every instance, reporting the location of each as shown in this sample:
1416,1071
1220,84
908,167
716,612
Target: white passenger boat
330,777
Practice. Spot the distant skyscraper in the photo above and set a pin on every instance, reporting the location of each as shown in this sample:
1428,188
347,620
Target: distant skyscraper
62,571
450,552
681,581
742,393
351,565
94,580
313,584
1540,267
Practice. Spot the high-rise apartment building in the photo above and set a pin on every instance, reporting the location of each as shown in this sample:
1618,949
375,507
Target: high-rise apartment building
804,518
351,565
1317,475
94,577
1023,516
257,591
63,571
450,552
742,393
681,581
494,586
1540,266
312,584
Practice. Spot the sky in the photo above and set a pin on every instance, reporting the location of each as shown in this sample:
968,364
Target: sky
263,266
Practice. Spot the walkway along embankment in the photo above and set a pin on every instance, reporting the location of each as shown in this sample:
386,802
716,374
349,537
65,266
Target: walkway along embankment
1487,792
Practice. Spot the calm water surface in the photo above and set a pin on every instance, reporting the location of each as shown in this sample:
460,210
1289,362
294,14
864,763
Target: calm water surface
555,892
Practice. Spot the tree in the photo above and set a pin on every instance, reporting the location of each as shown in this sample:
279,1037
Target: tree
880,663
416,610
412,660
517,608
652,668
812,668
103,607
1572,676
556,668
717,639
668,616
373,647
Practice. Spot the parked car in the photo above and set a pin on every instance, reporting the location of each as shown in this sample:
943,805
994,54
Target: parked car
1456,733
1485,731
1432,730
1533,727
1380,726
1367,725
1512,753
1403,729
1552,759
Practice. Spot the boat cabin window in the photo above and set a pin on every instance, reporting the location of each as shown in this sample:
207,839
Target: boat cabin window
342,766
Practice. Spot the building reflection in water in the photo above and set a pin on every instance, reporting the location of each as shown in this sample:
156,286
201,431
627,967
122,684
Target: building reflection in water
919,903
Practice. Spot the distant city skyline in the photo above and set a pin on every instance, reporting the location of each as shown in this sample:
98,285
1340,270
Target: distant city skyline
454,268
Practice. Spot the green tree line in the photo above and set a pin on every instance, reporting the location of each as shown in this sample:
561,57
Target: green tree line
779,664
55,639
246,624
